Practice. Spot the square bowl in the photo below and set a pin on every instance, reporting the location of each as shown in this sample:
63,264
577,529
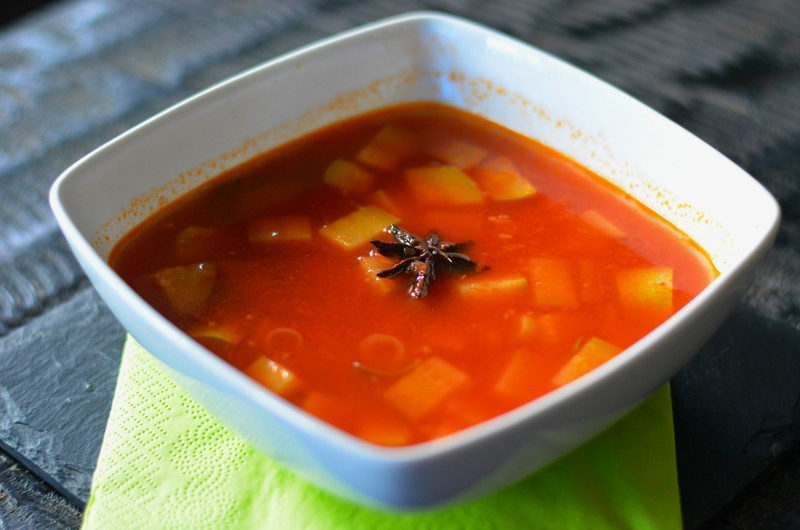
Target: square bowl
438,58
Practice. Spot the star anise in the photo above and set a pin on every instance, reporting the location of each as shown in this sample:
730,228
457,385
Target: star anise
422,258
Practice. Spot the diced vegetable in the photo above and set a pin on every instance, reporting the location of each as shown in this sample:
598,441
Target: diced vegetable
372,265
383,430
227,334
383,355
280,229
357,228
383,200
275,376
601,223
328,407
554,328
187,287
348,177
468,408
591,355
647,291
388,148
425,388
502,181
457,152
485,288
552,283
515,381
442,185
195,243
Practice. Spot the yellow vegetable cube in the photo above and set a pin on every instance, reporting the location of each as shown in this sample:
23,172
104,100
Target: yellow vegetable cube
515,381
187,287
274,376
388,148
484,288
280,229
357,228
443,185
501,180
457,152
383,200
348,177
646,291
372,265
527,326
425,388
384,431
591,355
552,283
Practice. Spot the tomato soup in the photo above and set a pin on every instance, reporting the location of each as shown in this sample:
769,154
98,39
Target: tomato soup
412,271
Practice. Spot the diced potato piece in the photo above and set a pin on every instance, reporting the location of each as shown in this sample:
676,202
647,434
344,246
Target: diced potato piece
516,380
466,408
527,326
552,283
382,200
357,228
187,287
500,179
275,376
348,177
457,152
443,185
280,229
485,288
195,243
601,223
372,265
388,148
647,291
425,388
327,407
385,431
591,355
227,334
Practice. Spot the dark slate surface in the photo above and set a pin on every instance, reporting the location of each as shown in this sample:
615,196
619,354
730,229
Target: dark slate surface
80,72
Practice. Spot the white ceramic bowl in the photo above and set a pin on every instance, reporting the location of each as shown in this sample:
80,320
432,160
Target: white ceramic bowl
417,57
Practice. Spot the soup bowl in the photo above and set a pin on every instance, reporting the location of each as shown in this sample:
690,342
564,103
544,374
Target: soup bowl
438,58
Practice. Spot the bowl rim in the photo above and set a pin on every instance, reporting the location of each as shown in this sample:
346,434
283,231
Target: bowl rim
294,415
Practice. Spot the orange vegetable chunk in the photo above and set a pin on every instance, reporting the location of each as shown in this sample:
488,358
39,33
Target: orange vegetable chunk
328,407
647,291
357,228
552,283
388,148
482,287
442,185
515,381
187,287
425,388
500,178
348,177
457,152
591,355
384,201
280,229
384,430
274,376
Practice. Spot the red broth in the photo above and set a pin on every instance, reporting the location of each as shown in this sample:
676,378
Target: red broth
270,267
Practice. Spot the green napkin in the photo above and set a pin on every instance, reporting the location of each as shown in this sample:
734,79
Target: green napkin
167,463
